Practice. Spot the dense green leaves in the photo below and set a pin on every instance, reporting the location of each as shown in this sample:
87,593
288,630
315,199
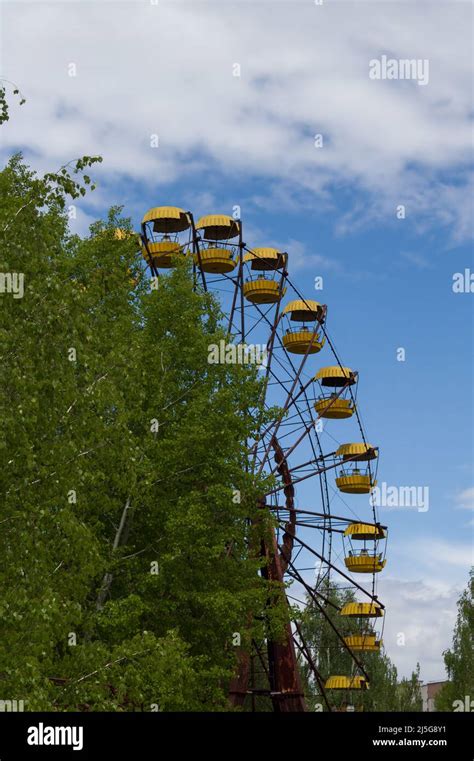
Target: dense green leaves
127,563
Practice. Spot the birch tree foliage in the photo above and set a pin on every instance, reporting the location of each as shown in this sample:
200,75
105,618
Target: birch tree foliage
458,693
127,552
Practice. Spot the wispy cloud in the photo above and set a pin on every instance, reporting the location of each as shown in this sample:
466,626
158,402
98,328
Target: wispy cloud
465,499
418,260
431,553
302,259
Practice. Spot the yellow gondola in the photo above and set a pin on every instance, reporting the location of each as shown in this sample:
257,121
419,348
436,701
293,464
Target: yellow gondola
354,480
212,258
332,405
263,289
304,339
161,228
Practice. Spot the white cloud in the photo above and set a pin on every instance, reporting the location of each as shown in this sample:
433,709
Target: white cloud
465,499
418,260
426,555
424,611
421,603
166,69
301,258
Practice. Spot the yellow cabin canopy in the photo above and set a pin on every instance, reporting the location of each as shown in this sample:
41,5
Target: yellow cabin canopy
218,227
167,219
265,258
302,310
362,610
365,531
363,451
346,683
335,376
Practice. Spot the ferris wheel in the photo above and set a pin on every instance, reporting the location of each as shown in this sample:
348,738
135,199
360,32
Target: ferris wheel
316,439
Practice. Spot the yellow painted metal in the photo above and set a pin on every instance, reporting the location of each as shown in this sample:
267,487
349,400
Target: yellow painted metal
216,260
121,234
162,253
362,610
366,642
265,258
364,563
218,227
355,484
132,280
302,341
263,291
365,451
364,531
167,219
346,683
335,376
303,310
336,409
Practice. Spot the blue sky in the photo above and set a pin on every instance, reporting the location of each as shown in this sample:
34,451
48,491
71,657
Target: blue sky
141,69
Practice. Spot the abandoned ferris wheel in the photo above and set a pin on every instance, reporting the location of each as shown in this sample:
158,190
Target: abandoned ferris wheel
261,302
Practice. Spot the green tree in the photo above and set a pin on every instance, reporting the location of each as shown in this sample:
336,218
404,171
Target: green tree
128,516
409,692
459,659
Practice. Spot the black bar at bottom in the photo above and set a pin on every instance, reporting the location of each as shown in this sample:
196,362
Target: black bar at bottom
159,735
